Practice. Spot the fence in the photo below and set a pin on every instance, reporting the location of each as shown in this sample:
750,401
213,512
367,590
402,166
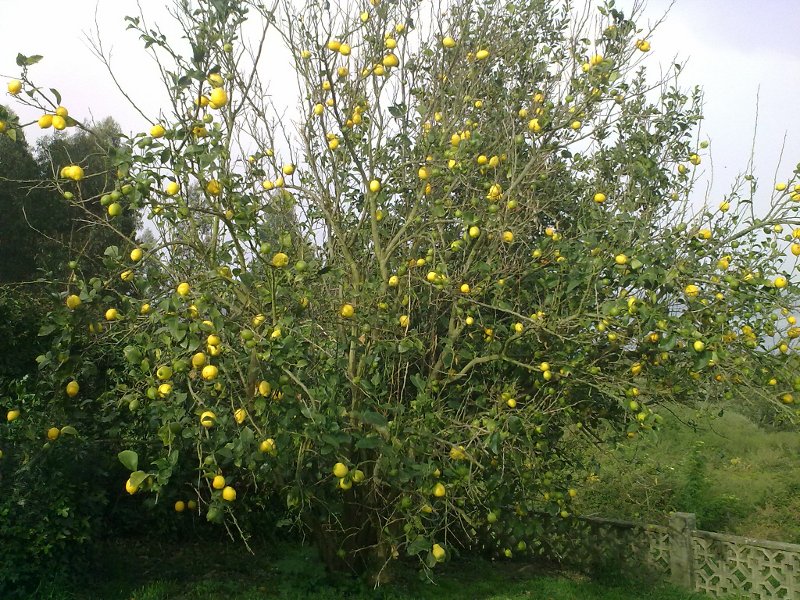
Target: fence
717,564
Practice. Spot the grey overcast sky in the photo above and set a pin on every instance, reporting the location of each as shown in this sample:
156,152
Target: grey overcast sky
735,49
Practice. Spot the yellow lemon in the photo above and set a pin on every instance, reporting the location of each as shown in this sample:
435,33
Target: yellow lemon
45,121
136,254
73,301
180,506
111,314
218,98
218,482
14,87
75,172
439,490
438,553
228,494
267,446
481,54
340,470
172,188
12,415
198,360
374,186
448,42
347,311
214,187
280,260
157,131
240,415
207,420
183,289
210,372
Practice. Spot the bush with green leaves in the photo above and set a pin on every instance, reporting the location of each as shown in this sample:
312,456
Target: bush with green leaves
395,315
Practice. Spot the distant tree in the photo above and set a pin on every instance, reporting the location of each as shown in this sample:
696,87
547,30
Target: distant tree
94,149
17,243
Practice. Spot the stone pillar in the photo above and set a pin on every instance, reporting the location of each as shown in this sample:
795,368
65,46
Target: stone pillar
681,554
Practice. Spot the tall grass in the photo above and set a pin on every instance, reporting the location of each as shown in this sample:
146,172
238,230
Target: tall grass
736,476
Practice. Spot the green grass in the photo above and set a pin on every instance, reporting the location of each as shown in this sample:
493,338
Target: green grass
147,570
748,483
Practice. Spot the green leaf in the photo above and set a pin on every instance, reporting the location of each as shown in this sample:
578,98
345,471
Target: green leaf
47,329
129,459
69,430
374,419
421,544
368,443
137,478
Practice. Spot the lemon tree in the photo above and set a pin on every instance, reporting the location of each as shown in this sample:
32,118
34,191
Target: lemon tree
396,317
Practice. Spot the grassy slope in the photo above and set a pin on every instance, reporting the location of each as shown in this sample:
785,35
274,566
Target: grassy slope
746,478
222,570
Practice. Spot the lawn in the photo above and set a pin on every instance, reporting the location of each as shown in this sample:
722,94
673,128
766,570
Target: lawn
142,570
